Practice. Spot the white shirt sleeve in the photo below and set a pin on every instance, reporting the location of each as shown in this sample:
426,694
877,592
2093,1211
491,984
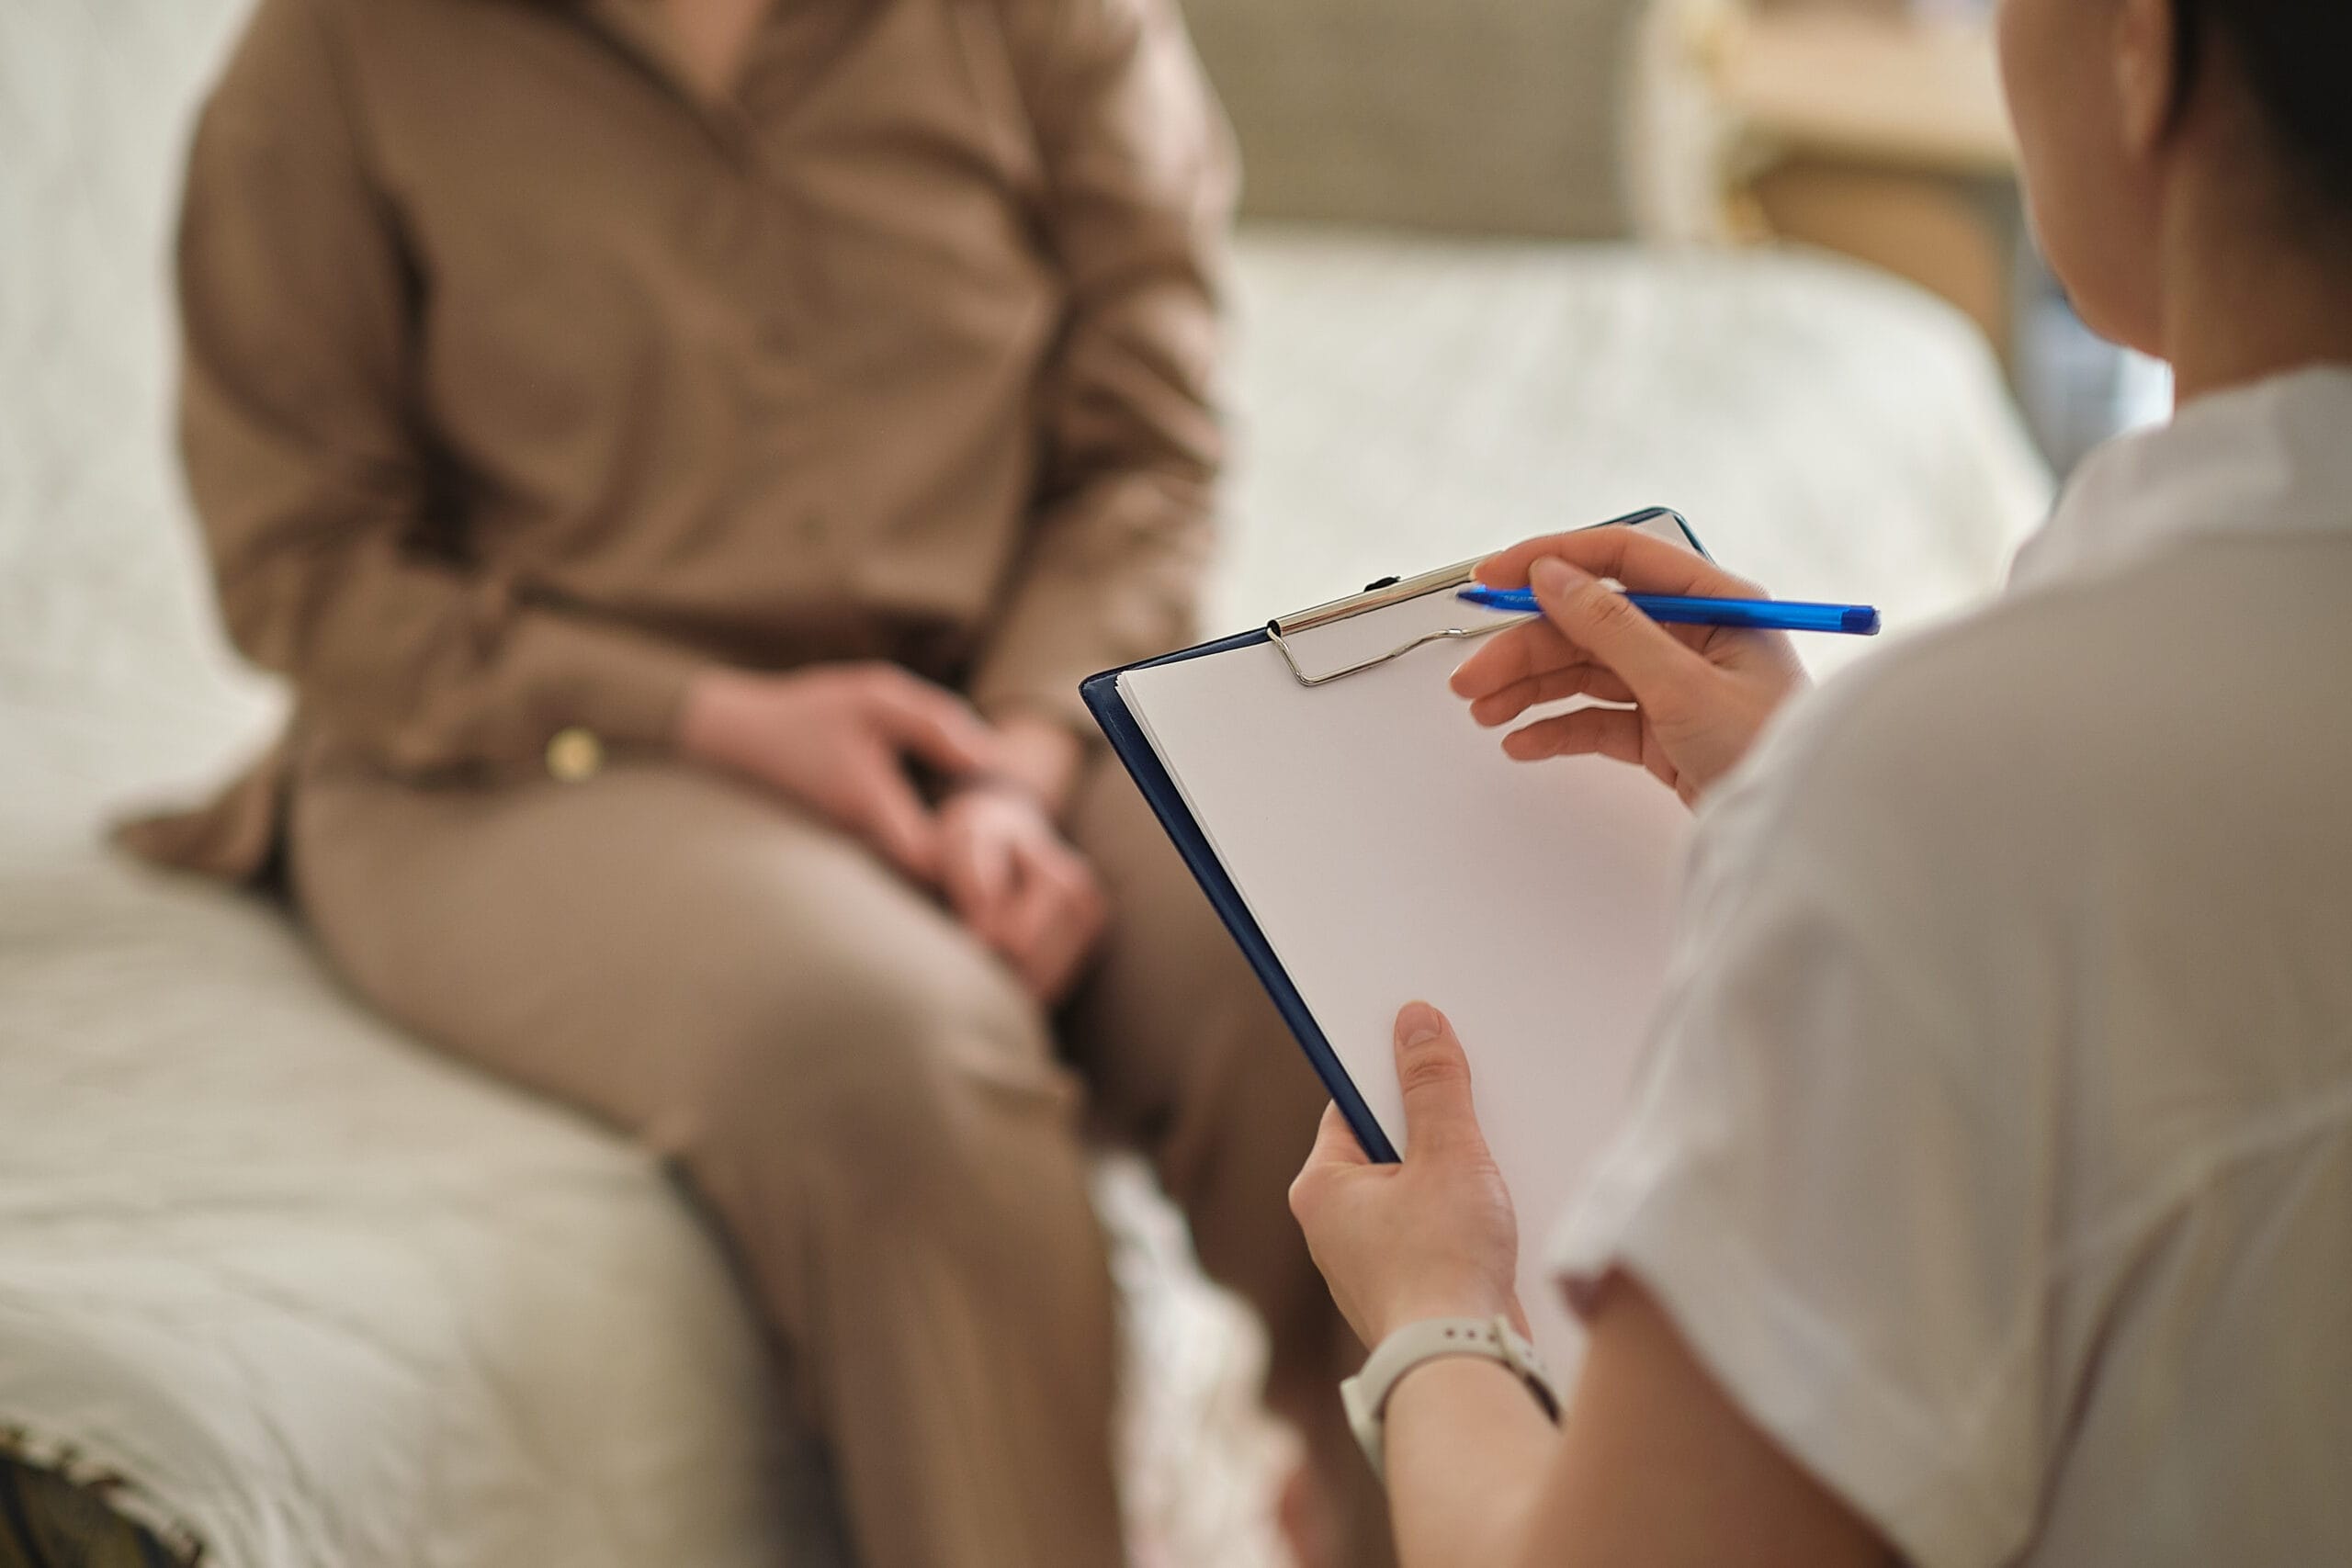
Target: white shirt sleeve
1836,1172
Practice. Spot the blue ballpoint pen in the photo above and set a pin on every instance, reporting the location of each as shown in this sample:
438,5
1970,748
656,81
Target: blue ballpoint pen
1755,615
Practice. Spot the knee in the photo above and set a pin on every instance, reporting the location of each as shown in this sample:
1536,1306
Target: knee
888,1072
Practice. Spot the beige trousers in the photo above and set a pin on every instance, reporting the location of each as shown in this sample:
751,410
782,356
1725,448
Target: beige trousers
891,1132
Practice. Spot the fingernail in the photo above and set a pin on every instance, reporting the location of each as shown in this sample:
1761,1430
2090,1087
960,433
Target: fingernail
1417,1023
1550,574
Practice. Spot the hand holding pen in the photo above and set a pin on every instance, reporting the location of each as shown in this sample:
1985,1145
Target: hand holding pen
1694,695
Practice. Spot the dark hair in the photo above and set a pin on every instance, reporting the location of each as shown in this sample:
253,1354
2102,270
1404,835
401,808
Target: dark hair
2293,54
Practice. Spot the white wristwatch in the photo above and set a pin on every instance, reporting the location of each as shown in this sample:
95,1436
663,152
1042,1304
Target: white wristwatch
1365,1395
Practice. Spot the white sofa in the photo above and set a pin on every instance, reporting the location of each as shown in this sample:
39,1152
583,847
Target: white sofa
316,1294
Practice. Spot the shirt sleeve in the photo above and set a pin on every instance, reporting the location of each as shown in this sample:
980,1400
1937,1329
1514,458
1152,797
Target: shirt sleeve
1139,185
336,563
1837,1174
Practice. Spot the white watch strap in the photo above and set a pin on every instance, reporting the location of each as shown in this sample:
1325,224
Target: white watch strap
1365,1395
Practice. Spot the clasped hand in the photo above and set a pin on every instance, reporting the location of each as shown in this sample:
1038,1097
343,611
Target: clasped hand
838,738
1433,1235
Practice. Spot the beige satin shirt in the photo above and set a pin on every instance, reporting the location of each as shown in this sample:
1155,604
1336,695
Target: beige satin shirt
523,378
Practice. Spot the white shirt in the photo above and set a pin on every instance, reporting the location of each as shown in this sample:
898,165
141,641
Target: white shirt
1995,1147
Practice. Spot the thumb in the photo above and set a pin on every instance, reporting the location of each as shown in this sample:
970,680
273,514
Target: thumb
1435,1077
934,724
1655,665
896,824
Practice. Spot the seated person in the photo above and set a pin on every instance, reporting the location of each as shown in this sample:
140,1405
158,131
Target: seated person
1988,1196
639,429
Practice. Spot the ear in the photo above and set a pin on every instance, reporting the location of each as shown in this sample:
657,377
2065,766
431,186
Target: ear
2149,91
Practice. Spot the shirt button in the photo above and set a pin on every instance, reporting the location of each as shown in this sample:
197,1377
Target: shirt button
574,755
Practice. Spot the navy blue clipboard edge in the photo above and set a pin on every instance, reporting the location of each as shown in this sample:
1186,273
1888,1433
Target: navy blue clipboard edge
1100,693
1127,739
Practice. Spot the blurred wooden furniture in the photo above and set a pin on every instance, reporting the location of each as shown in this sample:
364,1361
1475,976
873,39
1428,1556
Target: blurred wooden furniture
1872,131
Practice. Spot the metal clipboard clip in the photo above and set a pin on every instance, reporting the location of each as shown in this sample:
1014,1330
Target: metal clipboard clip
1397,591
1379,596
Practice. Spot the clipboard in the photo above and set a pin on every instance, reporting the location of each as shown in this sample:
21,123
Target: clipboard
1275,682
1141,759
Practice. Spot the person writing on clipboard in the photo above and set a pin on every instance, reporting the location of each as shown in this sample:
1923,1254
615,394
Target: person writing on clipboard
1987,1195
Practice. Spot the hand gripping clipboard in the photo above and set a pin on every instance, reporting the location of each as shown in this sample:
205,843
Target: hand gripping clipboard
1326,649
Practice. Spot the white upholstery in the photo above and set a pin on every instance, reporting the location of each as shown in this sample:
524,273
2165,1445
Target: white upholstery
1406,402
326,1297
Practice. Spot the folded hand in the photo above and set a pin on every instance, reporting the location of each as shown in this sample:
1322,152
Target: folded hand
837,739
1020,888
